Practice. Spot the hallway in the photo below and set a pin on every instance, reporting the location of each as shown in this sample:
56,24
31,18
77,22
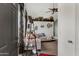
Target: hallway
39,29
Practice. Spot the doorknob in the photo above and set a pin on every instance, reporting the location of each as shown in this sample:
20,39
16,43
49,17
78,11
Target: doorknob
69,41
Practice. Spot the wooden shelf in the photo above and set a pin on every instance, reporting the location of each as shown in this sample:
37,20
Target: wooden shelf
50,20
48,40
44,20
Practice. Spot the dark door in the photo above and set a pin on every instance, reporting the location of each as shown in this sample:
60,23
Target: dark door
8,29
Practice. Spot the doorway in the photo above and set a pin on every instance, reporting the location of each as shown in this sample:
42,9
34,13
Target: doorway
41,30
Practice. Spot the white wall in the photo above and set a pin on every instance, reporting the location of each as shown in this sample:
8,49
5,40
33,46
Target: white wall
40,9
66,29
77,29
48,31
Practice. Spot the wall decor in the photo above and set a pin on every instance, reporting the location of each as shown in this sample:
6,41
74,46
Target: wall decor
42,26
36,27
29,26
49,25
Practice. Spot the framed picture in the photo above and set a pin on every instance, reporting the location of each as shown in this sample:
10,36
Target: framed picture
49,25
36,27
29,25
42,26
